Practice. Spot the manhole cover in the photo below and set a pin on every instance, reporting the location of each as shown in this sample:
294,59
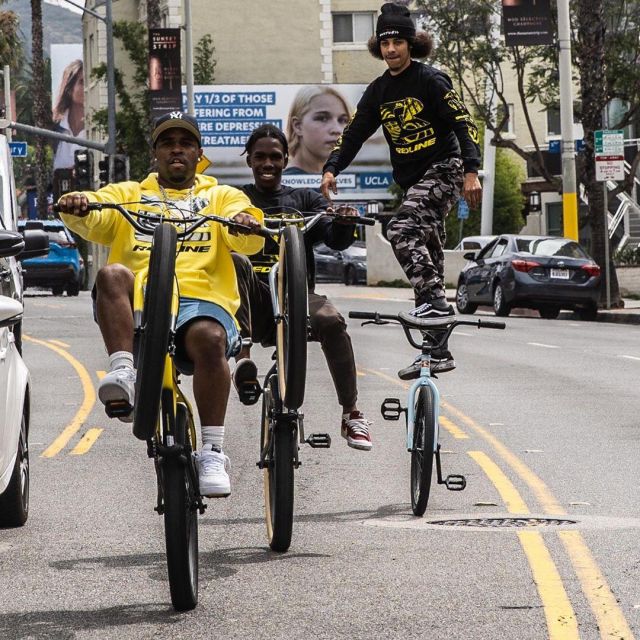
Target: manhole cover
504,522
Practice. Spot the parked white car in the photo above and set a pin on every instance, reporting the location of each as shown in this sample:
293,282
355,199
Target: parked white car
14,376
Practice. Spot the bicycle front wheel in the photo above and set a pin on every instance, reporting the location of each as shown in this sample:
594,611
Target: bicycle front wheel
422,452
156,324
181,522
291,335
277,442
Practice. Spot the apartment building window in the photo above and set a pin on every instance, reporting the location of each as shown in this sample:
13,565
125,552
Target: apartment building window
353,27
553,118
508,126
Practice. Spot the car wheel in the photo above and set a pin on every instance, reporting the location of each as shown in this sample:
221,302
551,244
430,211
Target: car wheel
14,502
73,289
58,290
589,313
549,312
462,300
500,305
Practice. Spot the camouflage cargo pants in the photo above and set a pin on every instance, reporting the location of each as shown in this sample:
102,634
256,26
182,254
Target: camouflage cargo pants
417,231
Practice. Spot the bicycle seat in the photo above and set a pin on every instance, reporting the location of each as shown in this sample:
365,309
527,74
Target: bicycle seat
426,323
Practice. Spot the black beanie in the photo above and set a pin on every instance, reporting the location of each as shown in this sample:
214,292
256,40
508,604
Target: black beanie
395,21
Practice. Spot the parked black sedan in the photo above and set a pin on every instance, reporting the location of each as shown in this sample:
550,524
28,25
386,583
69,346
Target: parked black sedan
546,273
348,266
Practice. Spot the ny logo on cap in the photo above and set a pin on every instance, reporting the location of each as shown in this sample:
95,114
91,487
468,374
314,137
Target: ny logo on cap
175,114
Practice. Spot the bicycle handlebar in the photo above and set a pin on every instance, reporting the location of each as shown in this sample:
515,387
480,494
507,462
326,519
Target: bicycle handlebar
190,223
373,317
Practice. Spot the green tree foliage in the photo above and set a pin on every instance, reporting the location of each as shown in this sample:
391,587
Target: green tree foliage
11,51
204,66
132,116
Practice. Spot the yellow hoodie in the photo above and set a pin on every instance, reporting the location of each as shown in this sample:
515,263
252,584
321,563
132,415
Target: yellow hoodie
204,267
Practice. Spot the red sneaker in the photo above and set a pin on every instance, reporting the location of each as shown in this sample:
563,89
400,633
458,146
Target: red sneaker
355,430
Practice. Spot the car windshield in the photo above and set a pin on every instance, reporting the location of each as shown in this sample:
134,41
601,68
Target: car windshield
559,247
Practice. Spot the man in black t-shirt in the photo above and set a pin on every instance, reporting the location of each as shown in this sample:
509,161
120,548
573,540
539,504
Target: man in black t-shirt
433,145
267,154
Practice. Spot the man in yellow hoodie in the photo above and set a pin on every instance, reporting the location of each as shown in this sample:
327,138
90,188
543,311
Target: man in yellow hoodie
207,333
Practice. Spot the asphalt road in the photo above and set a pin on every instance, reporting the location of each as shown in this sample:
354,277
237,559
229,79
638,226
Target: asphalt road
541,418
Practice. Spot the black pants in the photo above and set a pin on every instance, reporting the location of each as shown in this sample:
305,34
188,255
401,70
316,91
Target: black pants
328,327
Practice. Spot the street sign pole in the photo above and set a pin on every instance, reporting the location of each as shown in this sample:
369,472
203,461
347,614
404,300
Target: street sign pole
609,157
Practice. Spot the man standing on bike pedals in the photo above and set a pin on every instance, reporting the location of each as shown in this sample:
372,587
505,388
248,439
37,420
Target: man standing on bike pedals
433,144
206,334
267,154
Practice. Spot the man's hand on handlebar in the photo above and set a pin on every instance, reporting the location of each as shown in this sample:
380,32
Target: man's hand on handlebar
345,211
248,221
75,204
328,184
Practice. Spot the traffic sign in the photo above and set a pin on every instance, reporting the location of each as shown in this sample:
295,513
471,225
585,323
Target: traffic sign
463,209
609,154
18,149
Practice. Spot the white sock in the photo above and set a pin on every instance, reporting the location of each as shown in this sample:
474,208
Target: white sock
213,436
120,360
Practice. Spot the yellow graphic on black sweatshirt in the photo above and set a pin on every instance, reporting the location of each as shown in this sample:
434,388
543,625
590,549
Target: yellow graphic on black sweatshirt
408,132
462,114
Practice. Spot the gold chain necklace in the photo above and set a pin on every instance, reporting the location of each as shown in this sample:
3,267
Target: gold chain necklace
188,197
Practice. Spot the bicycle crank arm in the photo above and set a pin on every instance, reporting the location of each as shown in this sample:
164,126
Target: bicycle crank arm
319,441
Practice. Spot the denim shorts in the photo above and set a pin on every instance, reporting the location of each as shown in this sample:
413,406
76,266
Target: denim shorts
192,309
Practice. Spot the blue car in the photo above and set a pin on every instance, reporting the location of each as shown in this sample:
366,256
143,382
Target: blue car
63,269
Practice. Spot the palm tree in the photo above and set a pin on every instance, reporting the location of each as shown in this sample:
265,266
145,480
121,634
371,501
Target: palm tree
41,115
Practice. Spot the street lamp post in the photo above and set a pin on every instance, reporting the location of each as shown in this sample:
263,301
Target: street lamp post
569,191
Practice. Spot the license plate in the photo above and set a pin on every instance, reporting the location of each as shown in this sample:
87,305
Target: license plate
561,274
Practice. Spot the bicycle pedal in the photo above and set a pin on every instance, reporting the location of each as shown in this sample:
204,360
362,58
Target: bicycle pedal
391,409
117,408
455,482
249,392
319,440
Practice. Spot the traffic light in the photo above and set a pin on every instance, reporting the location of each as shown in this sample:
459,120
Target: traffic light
103,174
83,170
120,168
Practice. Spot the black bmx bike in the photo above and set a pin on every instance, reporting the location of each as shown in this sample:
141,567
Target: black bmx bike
282,422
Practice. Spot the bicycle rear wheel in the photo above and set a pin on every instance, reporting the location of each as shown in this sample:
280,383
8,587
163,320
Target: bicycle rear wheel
291,335
422,453
181,521
279,439
156,324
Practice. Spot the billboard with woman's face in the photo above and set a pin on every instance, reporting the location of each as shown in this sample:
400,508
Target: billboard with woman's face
67,94
313,118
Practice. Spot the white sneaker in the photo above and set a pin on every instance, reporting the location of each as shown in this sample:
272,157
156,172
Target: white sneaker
213,467
117,392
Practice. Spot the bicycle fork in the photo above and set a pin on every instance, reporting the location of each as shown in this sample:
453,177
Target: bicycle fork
391,410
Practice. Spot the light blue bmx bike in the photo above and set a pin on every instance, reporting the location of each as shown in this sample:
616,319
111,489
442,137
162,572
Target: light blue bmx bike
423,400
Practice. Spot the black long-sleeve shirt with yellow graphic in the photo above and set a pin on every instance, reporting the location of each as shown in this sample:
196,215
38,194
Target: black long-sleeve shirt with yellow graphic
423,119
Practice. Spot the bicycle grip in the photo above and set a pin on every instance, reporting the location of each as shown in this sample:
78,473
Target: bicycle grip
363,315
91,206
491,324
366,221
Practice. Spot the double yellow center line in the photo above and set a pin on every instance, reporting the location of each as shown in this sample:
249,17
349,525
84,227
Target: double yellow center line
83,412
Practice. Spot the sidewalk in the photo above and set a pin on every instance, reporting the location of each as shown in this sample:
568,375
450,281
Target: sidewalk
630,314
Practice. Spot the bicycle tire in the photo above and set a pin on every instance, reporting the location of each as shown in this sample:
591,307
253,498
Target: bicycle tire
180,523
422,454
278,472
156,324
291,334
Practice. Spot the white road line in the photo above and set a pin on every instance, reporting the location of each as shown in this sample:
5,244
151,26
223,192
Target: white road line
629,357
545,346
